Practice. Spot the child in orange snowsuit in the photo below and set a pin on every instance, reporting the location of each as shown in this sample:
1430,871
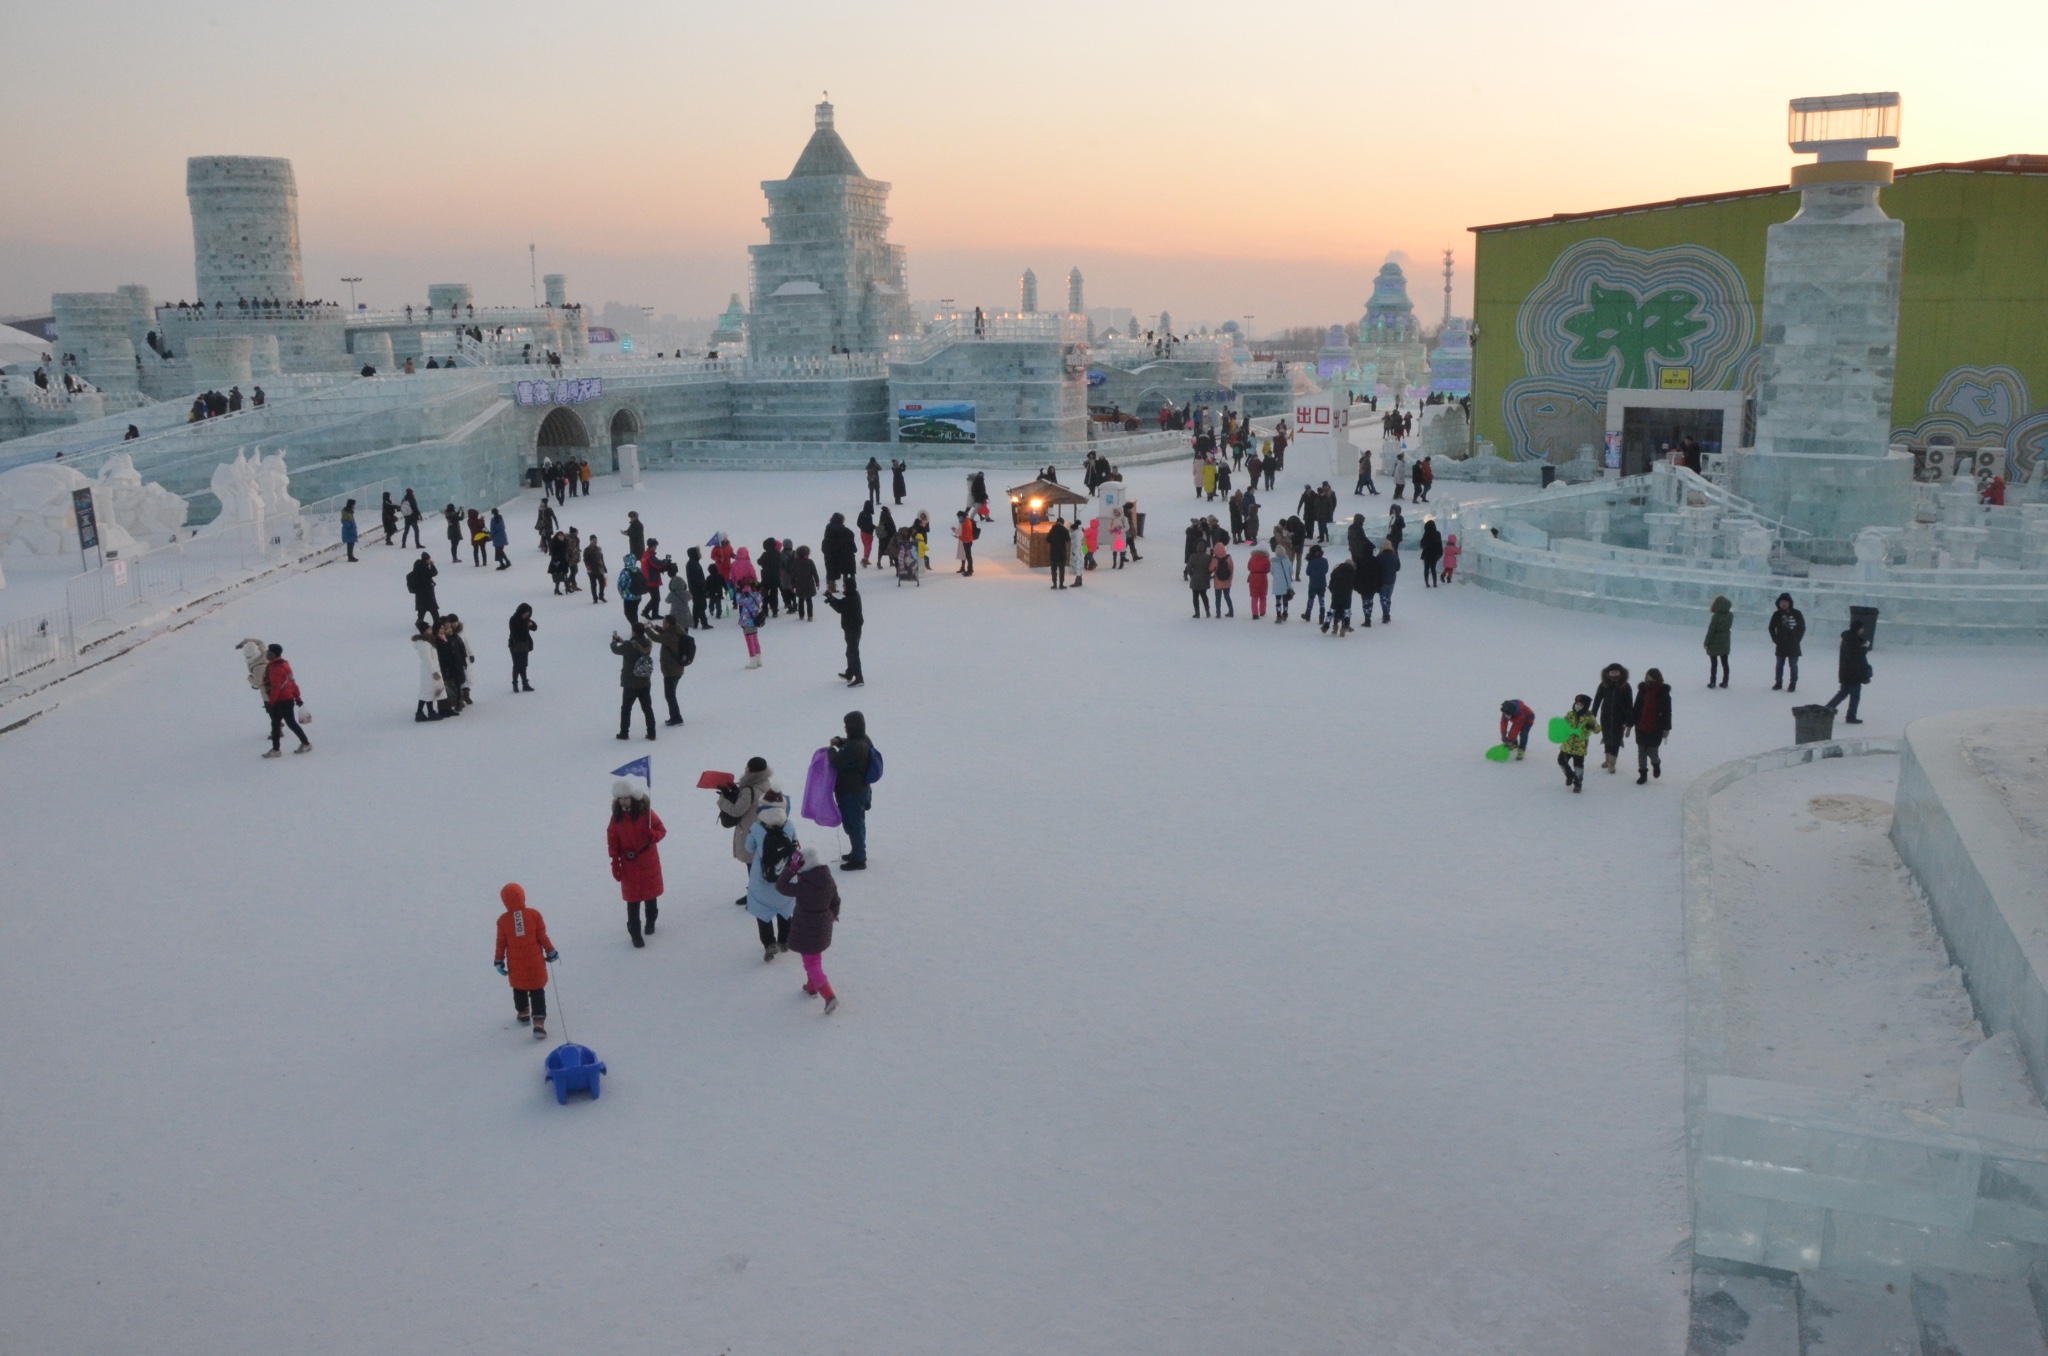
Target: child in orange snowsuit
523,955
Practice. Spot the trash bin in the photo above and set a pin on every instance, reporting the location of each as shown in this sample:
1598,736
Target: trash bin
1813,724
533,477
1865,617
1549,474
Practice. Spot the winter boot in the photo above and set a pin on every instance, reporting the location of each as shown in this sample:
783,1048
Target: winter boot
524,1019
633,925
540,1029
653,911
769,951
1643,777
831,1002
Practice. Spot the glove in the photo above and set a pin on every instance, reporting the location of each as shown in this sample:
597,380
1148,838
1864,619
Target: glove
552,956
500,967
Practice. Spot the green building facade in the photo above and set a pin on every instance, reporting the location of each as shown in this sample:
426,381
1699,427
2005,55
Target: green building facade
1670,295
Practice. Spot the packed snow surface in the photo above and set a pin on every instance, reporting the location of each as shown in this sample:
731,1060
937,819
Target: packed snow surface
1209,991
1834,973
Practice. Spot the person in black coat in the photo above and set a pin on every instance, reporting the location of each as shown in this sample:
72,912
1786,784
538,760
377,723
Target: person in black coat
1652,721
849,610
1787,628
875,480
837,546
1852,670
420,582
1061,543
769,566
896,486
1368,576
1614,708
1390,570
693,576
1432,549
850,756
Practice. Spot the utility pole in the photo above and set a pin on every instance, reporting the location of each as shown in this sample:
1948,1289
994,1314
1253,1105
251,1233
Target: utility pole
532,276
1447,289
352,291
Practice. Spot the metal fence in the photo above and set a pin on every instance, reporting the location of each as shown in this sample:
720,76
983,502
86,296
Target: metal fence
35,642
122,591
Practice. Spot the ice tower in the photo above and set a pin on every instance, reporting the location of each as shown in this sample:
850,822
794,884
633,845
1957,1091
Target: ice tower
1027,292
245,228
828,280
1831,331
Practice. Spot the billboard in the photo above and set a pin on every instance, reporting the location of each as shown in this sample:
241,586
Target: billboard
935,421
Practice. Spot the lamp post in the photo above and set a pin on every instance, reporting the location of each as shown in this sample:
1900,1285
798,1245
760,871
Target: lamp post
352,291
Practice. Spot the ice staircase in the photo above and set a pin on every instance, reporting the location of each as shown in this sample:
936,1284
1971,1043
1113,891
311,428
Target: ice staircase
1934,1313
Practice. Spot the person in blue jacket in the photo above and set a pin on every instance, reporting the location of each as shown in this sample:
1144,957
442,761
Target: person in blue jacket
499,539
770,844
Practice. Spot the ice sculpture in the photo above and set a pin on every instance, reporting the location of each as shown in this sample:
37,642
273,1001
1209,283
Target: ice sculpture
36,517
149,513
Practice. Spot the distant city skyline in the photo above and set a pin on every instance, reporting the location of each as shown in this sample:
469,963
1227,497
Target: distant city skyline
1181,157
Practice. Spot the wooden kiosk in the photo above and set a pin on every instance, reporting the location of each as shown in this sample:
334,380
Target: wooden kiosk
1033,508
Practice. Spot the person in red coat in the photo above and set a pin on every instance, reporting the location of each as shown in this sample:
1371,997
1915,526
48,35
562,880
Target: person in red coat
1257,575
523,955
281,699
636,862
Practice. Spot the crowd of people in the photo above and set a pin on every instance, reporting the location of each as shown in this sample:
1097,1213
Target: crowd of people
214,404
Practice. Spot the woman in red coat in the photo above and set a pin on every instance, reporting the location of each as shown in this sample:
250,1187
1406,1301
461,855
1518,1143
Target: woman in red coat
281,698
523,955
636,862
1256,574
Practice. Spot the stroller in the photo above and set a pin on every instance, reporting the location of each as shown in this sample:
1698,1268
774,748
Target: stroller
906,560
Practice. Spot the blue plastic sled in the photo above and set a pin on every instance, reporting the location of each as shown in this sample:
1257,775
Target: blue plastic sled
571,1067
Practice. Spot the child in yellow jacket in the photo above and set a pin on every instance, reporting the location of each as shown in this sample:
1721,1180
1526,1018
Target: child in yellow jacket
1581,726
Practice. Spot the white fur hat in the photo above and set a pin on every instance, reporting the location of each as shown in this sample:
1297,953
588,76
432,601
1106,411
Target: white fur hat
629,788
774,813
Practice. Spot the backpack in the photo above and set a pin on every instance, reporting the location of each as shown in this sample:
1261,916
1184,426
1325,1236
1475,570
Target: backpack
776,849
643,667
874,765
726,819
687,649
629,581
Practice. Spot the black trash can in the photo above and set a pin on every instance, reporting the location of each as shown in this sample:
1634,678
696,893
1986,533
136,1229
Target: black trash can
1865,617
533,477
1549,474
1813,724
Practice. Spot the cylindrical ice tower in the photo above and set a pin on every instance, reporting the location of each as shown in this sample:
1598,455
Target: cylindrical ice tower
245,228
557,285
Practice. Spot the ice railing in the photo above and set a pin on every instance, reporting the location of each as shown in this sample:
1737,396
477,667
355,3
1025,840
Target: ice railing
1134,353
1044,327
830,366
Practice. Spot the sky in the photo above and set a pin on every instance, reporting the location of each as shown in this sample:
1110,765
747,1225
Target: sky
1216,160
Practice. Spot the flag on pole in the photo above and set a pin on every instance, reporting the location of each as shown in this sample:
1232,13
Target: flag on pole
643,768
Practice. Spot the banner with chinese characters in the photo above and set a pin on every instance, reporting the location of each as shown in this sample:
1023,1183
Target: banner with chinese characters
570,392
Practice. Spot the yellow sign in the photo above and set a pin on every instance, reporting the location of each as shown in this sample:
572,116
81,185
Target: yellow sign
1675,378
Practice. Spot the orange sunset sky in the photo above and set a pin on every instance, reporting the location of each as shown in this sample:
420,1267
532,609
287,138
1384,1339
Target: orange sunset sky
1219,160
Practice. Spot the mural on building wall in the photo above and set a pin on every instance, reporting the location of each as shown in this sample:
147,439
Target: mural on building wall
1609,315
1984,407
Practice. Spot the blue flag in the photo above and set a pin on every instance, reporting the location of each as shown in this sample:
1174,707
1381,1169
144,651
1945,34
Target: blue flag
643,768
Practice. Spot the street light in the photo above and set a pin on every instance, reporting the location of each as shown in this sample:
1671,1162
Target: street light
351,291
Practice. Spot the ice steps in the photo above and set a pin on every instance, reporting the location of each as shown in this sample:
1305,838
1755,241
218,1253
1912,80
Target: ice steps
1934,1314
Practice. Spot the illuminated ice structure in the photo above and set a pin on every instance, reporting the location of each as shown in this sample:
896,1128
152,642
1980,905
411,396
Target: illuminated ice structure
1822,506
811,374
1390,349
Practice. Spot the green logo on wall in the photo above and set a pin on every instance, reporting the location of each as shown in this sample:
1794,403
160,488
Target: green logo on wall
1617,321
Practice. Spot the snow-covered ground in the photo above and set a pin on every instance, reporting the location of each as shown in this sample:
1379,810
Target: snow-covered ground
1209,992
1834,973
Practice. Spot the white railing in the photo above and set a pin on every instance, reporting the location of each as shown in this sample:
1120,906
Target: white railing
126,591
36,641
25,388
1040,327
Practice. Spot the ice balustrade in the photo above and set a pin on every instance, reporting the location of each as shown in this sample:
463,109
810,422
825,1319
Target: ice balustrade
956,328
